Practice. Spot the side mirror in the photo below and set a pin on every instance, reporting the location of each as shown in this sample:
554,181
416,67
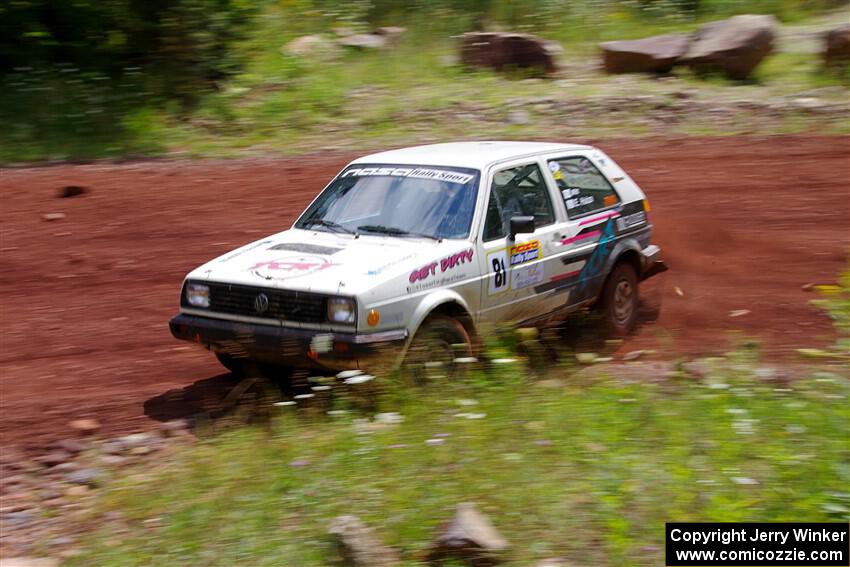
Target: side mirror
524,225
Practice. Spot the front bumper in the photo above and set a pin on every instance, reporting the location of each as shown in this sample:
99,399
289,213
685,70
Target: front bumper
296,348
651,263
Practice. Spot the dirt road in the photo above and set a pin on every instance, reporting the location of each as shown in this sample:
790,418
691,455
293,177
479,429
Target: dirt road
85,299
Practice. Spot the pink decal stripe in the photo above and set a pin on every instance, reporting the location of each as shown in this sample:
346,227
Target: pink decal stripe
564,276
582,236
602,217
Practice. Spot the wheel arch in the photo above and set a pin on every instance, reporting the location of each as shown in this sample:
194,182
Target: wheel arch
443,302
624,251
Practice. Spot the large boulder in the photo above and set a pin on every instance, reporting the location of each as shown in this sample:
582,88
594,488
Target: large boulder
734,46
311,46
837,46
504,51
358,544
469,536
364,41
655,54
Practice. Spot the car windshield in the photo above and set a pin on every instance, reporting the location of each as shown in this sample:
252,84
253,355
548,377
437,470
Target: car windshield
396,200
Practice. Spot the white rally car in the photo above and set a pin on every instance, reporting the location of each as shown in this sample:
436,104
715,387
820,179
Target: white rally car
412,250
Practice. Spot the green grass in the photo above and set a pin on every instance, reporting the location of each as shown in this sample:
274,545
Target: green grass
409,94
589,469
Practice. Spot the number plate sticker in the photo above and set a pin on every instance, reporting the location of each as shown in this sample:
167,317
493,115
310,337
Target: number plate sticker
499,268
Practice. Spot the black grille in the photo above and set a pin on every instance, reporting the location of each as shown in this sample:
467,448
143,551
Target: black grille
289,305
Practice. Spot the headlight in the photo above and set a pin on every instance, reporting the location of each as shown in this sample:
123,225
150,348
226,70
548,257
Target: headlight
198,295
341,310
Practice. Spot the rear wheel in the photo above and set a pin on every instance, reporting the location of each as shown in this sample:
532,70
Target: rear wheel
620,300
435,346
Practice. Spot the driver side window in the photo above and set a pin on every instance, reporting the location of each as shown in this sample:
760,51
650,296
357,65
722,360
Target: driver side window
518,191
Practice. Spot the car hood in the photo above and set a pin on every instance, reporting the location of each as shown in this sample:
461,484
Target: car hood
324,262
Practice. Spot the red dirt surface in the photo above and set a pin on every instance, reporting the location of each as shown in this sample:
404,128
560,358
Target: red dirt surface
85,300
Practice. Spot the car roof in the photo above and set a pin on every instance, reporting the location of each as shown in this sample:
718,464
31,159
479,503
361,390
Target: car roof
477,155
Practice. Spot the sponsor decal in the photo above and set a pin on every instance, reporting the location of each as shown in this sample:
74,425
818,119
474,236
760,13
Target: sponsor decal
503,264
438,282
305,248
580,201
526,276
414,172
525,252
446,264
380,269
289,267
629,221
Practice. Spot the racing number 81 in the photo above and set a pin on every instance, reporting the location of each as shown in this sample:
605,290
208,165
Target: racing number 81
501,276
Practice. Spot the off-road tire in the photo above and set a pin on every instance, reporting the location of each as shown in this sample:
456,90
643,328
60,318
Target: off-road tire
436,345
619,300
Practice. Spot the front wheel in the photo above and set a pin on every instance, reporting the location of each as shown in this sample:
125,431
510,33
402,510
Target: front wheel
620,300
434,348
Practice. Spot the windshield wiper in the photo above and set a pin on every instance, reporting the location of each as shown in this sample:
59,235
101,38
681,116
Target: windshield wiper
393,231
329,224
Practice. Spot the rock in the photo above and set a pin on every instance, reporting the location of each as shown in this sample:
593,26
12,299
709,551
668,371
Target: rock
504,51
113,460
734,46
174,427
135,440
363,41
112,447
519,117
586,357
469,535
697,368
72,446
809,103
77,490
837,46
29,562
85,426
392,34
141,450
71,191
311,46
343,31
633,355
359,545
554,562
53,216
54,458
89,477
655,54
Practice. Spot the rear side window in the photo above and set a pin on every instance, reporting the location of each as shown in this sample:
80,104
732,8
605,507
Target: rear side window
582,186
518,191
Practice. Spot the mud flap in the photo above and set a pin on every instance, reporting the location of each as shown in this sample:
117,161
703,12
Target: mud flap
655,268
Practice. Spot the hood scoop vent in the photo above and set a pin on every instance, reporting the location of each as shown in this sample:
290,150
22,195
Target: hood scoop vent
305,248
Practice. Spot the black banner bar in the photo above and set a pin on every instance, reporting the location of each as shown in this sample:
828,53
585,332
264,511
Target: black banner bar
746,544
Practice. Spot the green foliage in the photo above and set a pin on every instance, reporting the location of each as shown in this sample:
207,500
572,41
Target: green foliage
588,468
87,79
